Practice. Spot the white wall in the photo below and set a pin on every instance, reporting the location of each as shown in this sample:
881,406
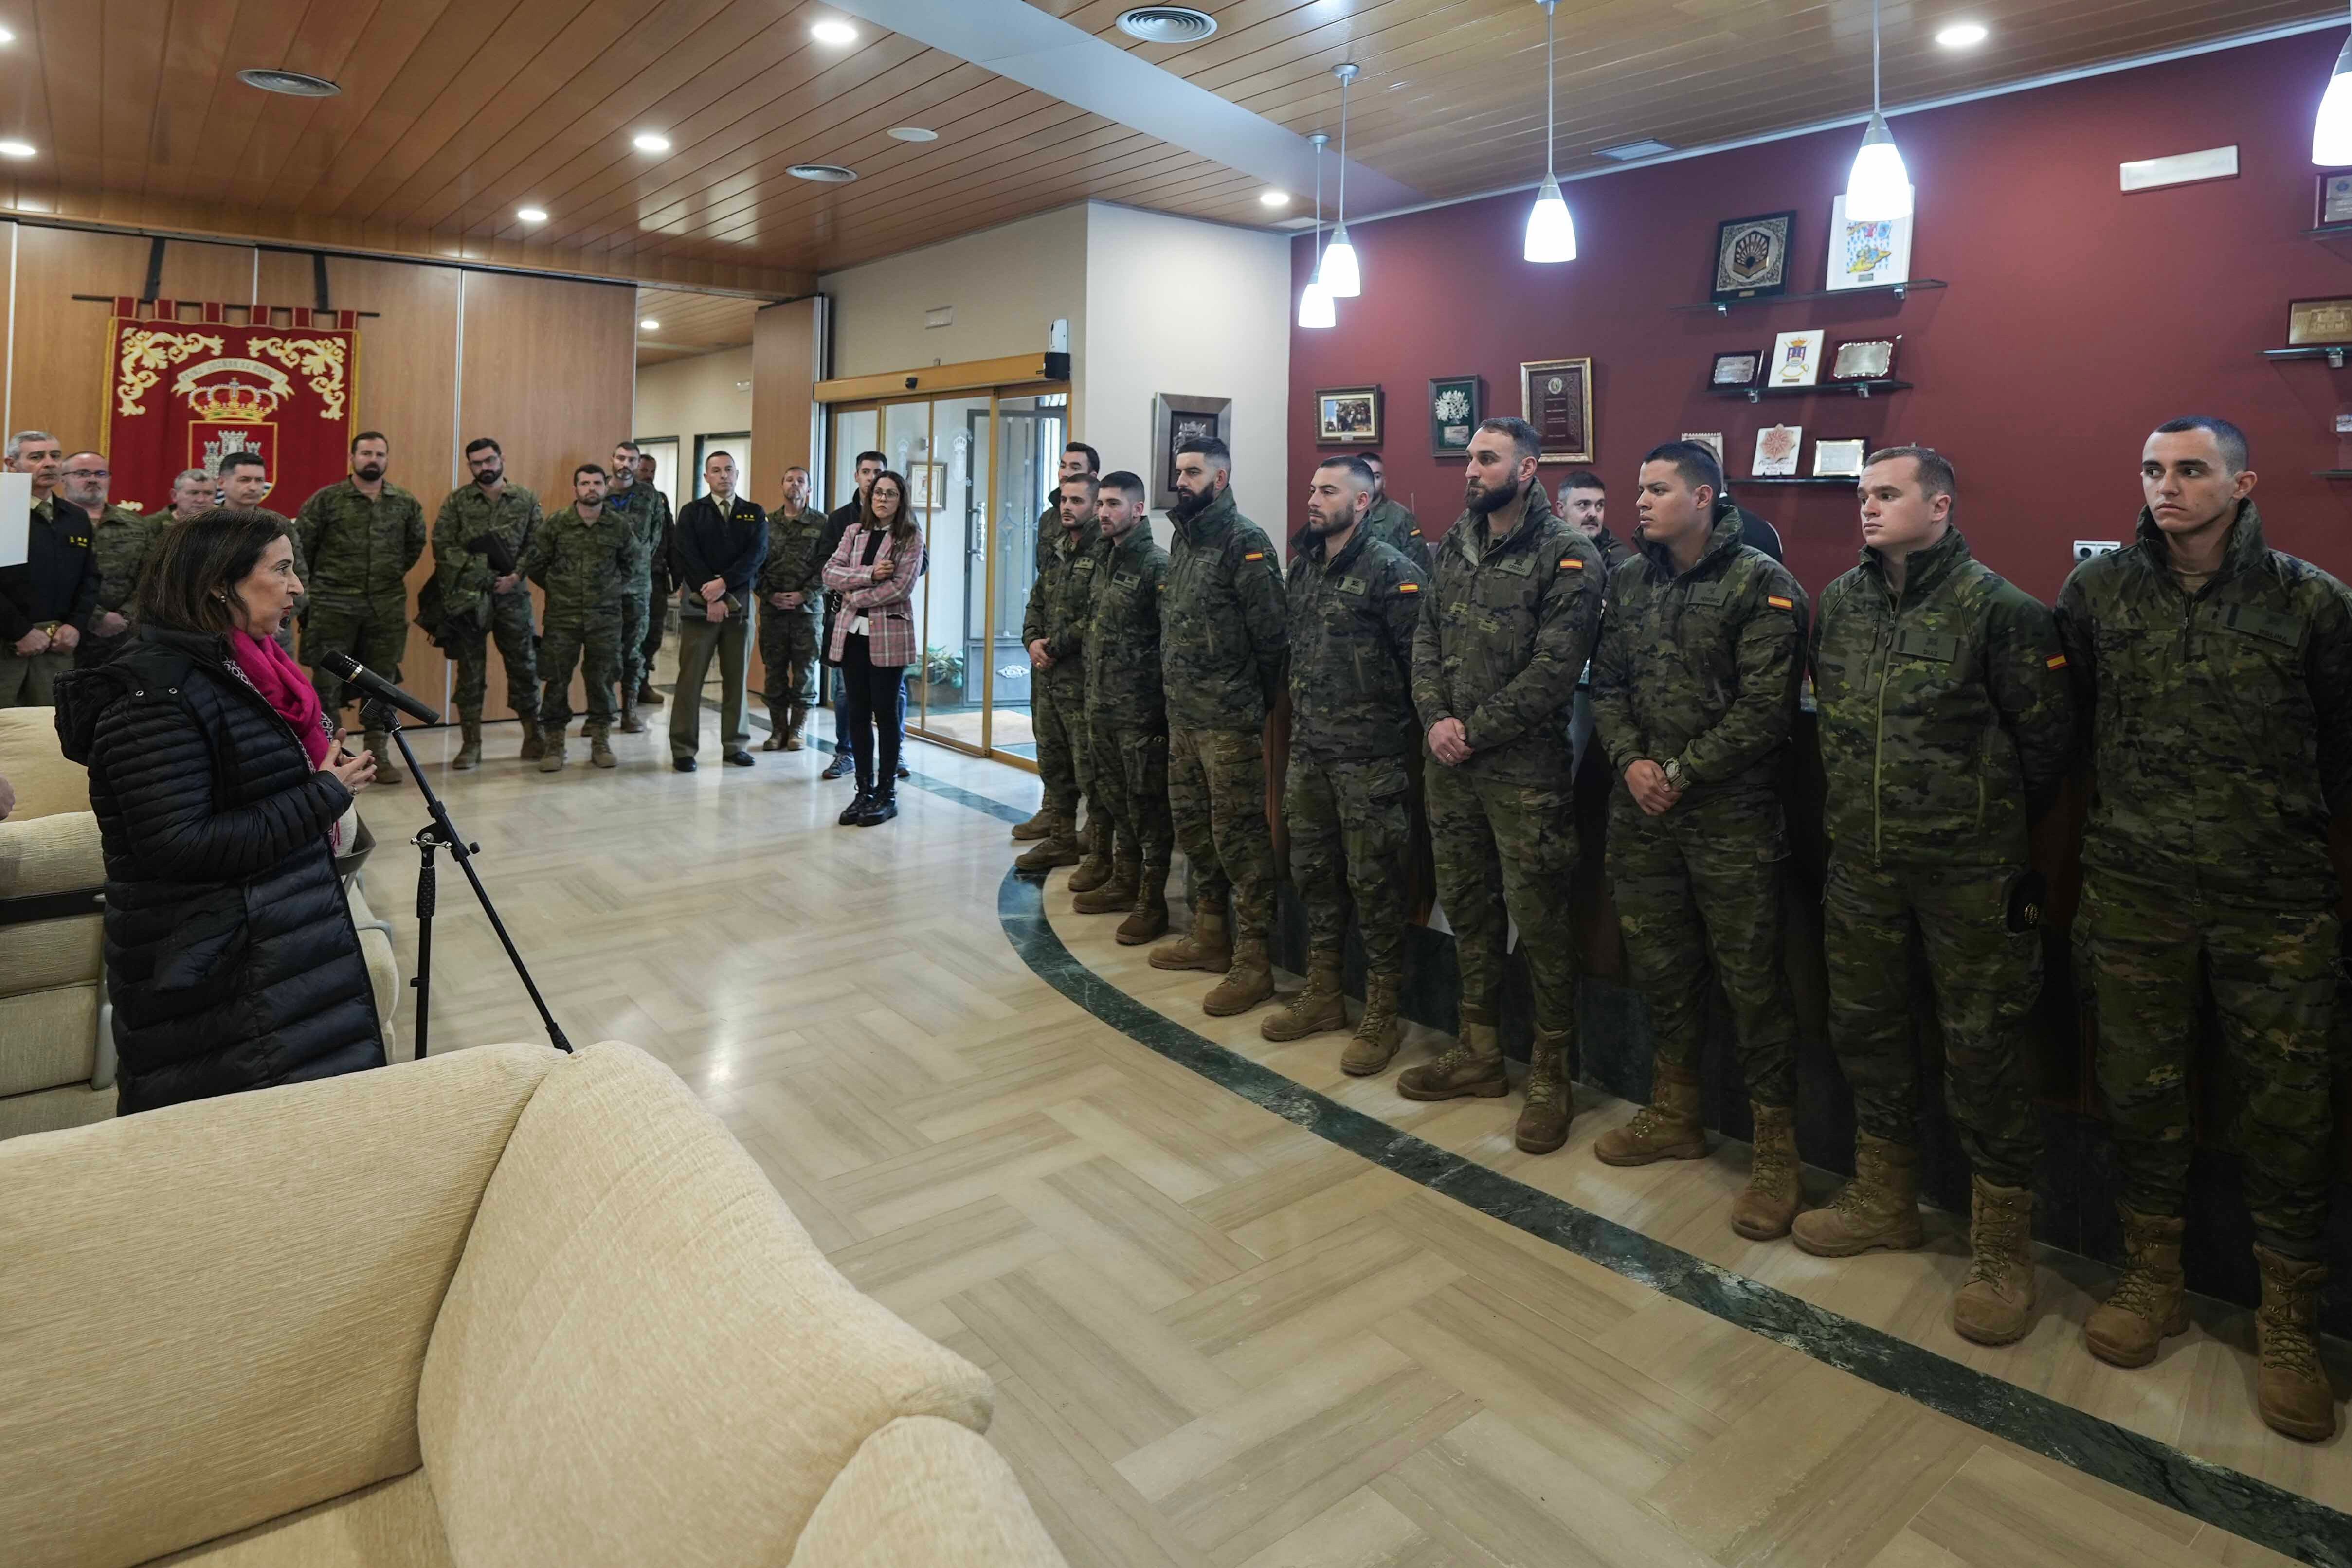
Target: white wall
1140,269
687,398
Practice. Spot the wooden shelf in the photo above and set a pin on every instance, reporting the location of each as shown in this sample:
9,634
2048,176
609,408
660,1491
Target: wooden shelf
1898,290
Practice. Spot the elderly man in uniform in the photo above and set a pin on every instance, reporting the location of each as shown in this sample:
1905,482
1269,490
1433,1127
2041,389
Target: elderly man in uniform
480,602
1391,522
1127,713
359,537
194,493
120,540
791,590
47,599
585,557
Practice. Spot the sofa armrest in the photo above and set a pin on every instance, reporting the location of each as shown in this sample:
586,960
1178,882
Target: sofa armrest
922,1491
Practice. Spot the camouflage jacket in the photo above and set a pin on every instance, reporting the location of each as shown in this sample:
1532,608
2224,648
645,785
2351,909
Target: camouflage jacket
1061,607
1702,667
358,549
1390,522
1123,683
646,511
664,519
2220,722
464,573
1613,552
1223,639
1947,723
584,566
1506,629
120,542
793,564
1352,618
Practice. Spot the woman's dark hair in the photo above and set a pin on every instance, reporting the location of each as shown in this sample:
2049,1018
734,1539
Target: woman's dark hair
190,578
902,527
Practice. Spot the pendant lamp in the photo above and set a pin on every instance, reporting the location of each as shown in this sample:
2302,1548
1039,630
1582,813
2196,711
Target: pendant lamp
1339,274
1315,307
1551,233
1879,190
2331,134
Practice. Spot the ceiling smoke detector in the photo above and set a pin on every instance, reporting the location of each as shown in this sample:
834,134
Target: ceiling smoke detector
1167,24
293,84
912,134
823,174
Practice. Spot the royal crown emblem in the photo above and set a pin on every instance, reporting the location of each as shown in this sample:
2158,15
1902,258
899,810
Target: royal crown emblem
232,392
232,402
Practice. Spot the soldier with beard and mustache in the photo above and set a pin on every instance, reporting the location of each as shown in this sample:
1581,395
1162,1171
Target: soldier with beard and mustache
359,537
1503,639
486,602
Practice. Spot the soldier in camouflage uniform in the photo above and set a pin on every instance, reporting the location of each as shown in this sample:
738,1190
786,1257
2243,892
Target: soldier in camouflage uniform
662,590
474,595
585,557
1947,726
1695,690
1078,460
791,590
1391,522
194,493
1223,642
1584,502
625,499
1054,627
1127,715
2216,676
1504,634
359,537
1347,799
120,540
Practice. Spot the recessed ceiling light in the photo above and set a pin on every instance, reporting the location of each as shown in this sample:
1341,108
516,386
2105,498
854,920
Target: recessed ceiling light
650,325
823,174
293,84
834,33
532,215
1167,24
647,141
913,133
1626,151
1274,198
1963,34
15,149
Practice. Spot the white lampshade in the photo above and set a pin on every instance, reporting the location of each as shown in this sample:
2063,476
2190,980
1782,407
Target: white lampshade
1879,190
1315,307
1339,276
1551,233
2331,134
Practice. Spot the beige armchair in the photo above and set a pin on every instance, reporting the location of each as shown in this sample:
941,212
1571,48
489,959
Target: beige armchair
498,1308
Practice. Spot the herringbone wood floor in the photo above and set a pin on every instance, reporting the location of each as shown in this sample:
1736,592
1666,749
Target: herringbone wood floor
1217,1339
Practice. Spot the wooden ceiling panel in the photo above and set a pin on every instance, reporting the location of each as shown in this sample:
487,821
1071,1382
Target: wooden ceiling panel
691,324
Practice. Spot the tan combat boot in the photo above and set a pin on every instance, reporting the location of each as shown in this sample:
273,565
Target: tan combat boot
1114,896
534,741
1667,1128
600,747
1313,1009
1036,827
1378,1033
1207,946
1148,920
794,725
1248,981
2148,1302
1764,1209
646,695
550,756
630,723
469,747
1996,1305
2290,1388
387,771
1094,869
1551,1098
1878,1210
1058,847
1472,1065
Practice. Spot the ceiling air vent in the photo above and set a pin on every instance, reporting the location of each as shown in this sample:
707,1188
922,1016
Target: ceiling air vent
823,174
1167,24
293,84
1626,152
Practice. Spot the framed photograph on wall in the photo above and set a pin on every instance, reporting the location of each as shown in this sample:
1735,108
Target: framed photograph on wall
1777,446
1751,256
2334,205
1556,397
1867,256
1348,416
1455,408
1175,420
1796,359
1736,370
928,482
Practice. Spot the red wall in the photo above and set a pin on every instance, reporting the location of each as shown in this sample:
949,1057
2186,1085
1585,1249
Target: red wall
2078,318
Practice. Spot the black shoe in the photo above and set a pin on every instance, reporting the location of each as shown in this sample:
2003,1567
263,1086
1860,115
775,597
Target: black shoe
855,810
902,771
738,757
840,767
880,808
682,765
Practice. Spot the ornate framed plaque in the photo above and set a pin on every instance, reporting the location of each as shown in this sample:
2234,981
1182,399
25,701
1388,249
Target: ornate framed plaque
1454,408
1777,446
1751,256
2312,321
1710,439
1863,360
1839,459
1736,370
1556,397
1348,416
1796,359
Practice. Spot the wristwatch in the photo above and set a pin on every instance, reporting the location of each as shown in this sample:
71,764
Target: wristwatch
1678,778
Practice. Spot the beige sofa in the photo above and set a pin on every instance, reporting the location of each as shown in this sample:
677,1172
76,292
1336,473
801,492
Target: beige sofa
498,1308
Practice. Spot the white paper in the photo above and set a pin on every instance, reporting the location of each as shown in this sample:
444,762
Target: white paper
15,518
1867,256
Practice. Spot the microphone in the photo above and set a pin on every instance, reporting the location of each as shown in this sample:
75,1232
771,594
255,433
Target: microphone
350,670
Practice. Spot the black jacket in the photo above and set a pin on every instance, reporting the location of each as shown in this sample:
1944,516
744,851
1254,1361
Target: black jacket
704,545
231,958
59,578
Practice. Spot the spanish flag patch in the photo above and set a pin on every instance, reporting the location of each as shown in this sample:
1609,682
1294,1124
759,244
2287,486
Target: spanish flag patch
1777,602
1412,533
2057,660
1408,587
1254,555
1569,563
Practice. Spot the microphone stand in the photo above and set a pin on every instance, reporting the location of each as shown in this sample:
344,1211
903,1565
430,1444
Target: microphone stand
438,834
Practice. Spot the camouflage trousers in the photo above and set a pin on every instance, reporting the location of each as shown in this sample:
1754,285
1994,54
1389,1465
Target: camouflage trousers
1351,831
376,632
2272,972
1504,853
1058,711
593,642
510,626
1130,783
1699,889
636,611
788,660
1216,796
1987,978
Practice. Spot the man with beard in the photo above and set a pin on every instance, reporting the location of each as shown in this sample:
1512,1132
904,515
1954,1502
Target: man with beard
659,585
1392,523
584,557
120,540
46,600
1126,709
1584,502
359,536
839,521
1077,459
1354,603
1503,639
790,588
635,504
1694,688
1222,647
480,602
1053,628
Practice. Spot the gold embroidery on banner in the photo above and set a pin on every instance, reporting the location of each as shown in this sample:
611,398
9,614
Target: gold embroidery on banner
145,355
320,358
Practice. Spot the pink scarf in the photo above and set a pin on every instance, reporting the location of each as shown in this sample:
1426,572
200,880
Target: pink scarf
274,673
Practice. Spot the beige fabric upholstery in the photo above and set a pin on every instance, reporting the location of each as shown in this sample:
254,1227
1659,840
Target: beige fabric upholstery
48,1109
921,1491
643,1357
49,973
58,853
393,1524
48,1039
45,782
216,1313
383,974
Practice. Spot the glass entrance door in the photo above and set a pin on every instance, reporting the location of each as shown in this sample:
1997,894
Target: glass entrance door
1029,432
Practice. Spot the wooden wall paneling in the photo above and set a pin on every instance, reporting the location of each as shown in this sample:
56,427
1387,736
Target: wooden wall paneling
783,370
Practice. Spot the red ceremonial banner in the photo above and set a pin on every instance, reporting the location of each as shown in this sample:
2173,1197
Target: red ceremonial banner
186,394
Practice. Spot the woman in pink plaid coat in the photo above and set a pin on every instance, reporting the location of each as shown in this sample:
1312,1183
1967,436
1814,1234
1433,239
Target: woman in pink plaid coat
873,572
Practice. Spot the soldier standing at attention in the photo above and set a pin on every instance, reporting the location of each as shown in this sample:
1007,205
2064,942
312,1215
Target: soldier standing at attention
717,550
791,587
359,537
837,522
47,598
1053,628
1077,458
194,493
1223,644
1947,726
120,540
1584,502
1354,603
2216,676
585,558
627,499
485,603
1694,693
659,587
1127,711
1392,523
1504,636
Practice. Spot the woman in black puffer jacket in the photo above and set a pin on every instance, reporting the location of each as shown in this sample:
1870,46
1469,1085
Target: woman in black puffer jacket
231,958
